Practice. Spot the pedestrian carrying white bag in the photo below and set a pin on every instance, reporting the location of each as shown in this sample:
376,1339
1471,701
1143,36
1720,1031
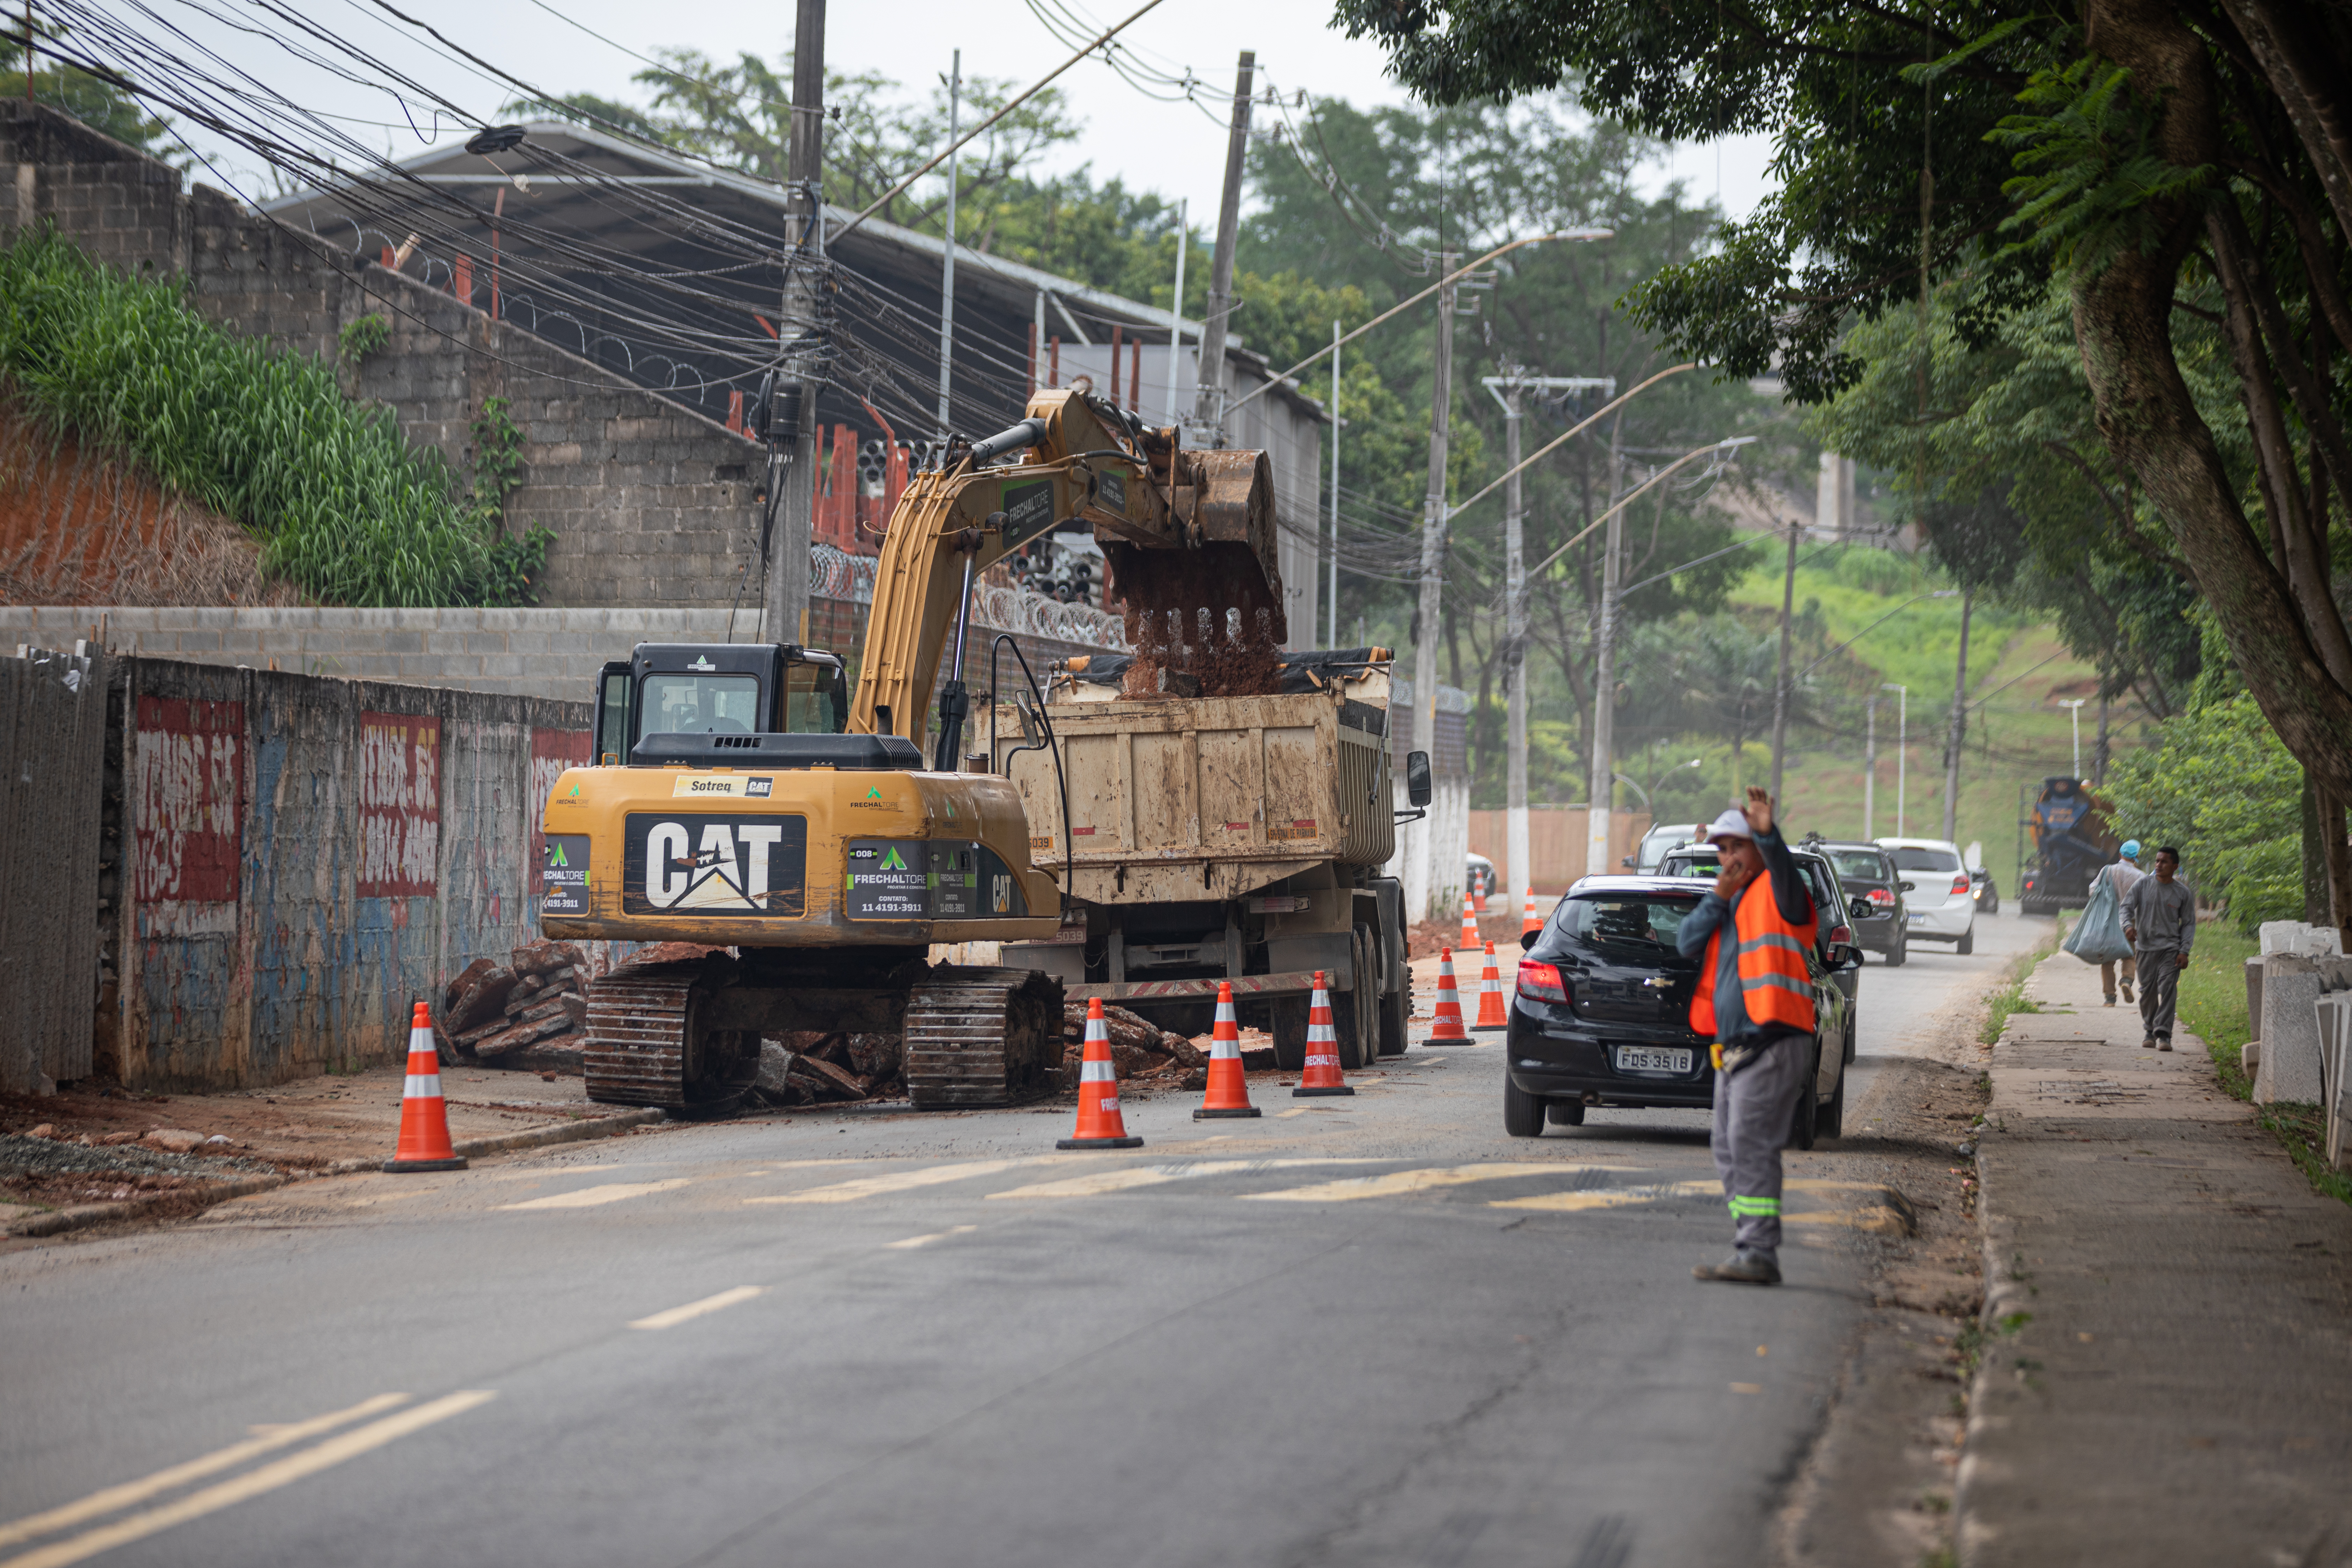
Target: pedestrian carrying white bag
2099,936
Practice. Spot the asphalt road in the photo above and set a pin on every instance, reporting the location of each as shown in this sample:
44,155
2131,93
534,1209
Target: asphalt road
1361,1331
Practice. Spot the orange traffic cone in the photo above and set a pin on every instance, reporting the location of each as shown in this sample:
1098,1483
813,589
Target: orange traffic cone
1469,923
1530,921
1228,1093
1322,1074
423,1119
1449,1004
1100,1126
1490,997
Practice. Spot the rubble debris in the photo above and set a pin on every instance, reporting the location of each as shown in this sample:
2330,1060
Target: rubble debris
523,1009
171,1140
830,1067
1140,1048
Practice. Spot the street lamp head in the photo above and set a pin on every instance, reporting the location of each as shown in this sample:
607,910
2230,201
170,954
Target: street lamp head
1891,686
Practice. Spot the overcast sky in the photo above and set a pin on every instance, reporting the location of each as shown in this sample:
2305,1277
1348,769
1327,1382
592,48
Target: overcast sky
1176,148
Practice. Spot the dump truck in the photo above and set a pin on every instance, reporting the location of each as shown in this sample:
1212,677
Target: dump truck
1220,838
2071,842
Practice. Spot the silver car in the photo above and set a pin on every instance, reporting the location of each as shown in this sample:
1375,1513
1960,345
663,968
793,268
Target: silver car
1936,890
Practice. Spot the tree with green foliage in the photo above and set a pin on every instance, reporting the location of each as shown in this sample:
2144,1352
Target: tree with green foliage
2018,495
2220,785
94,102
2180,169
1406,183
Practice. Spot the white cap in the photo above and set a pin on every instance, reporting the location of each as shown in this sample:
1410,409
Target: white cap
1730,825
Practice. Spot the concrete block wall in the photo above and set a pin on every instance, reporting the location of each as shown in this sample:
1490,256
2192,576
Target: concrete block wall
550,654
308,857
651,501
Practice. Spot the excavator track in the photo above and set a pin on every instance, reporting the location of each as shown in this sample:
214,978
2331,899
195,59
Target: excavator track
982,1037
642,1045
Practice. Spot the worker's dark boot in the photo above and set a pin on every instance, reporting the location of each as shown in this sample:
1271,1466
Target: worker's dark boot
1742,1267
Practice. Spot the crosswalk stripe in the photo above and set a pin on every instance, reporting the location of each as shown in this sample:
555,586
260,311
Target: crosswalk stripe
1397,1182
908,1181
1095,1183
693,1310
1609,1197
595,1197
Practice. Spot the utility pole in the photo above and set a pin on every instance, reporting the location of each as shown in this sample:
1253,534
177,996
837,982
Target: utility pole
1959,725
1506,389
1175,309
1419,866
1208,411
1335,423
1519,843
791,496
1602,795
2074,711
1869,768
947,269
1780,684
2099,755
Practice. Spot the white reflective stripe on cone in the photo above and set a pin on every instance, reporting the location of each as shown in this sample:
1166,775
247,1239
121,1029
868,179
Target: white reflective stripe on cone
423,1086
1219,1050
1097,1072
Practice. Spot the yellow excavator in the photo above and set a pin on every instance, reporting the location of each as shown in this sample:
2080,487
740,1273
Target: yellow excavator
745,800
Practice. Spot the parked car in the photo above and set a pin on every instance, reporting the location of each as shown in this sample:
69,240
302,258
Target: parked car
1656,842
1984,889
1874,895
1939,898
1600,1014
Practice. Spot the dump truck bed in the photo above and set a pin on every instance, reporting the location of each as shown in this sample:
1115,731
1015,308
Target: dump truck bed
1211,797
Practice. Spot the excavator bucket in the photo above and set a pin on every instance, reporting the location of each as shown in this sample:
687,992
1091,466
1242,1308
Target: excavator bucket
1205,607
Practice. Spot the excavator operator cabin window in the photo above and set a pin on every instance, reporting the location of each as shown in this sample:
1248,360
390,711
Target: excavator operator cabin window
700,705
808,700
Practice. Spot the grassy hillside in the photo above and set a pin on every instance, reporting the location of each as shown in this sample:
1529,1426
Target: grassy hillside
2017,734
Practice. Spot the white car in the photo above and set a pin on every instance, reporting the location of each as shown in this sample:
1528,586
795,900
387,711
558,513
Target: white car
1657,841
1936,890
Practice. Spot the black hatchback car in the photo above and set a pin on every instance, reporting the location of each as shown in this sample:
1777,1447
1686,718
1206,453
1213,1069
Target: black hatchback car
1874,895
1602,1013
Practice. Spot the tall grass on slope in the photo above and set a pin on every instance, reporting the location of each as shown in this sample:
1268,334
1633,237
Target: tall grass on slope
345,507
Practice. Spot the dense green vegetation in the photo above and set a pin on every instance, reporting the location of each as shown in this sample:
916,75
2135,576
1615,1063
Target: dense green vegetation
345,507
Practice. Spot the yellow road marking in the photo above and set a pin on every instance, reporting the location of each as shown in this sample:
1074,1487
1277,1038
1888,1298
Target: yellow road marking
907,1180
913,1242
1609,1197
1101,1182
594,1197
253,1483
693,1310
1397,1182
263,1441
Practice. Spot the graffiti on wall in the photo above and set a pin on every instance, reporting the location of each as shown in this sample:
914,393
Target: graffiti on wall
399,805
551,752
190,785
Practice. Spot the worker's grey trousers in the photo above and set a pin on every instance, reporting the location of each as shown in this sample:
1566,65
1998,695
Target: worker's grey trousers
1755,1109
2159,989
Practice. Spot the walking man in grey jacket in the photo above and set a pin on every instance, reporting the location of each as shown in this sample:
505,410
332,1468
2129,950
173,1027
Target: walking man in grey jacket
2161,923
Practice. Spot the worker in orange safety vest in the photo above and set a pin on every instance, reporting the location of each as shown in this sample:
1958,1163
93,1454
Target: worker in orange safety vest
1755,999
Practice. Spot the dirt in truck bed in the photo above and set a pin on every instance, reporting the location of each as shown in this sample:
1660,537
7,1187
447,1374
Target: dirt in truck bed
1197,617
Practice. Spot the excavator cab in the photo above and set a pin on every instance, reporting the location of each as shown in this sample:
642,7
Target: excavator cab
688,695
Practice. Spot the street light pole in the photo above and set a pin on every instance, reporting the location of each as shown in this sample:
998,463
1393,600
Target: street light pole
1902,742
1869,766
2074,713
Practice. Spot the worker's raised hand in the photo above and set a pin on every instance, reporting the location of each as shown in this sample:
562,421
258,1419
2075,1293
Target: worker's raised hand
1758,810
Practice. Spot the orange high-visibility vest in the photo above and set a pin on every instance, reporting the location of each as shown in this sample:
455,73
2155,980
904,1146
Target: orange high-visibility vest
1776,982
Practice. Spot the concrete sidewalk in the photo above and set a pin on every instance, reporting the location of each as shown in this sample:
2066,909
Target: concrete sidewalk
2167,1371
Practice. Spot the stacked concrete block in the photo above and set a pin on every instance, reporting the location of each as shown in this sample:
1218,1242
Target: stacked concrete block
2291,1068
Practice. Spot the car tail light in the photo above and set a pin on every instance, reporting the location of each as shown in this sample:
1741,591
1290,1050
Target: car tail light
1542,981
1841,936
1960,883
1882,897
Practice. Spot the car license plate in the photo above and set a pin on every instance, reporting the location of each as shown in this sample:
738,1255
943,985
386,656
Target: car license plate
1916,919
1652,1058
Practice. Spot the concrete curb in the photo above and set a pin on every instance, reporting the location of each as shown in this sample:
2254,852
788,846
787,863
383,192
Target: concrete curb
80,1218
60,1221
508,1143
